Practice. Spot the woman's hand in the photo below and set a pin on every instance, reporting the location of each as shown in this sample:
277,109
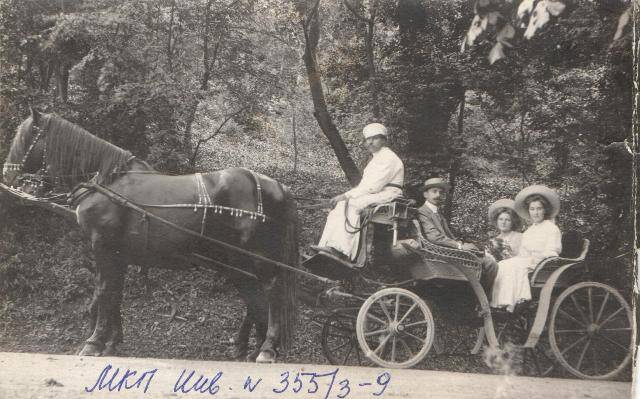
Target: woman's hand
333,201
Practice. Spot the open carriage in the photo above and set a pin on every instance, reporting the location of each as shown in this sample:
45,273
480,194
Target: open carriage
584,326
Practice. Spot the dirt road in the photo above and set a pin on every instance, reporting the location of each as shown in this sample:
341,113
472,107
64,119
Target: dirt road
59,376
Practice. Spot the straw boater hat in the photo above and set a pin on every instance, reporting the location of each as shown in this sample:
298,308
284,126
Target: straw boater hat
374,129
436,182
497,207
550,195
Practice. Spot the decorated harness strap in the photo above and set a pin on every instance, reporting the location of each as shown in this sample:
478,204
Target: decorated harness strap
205,202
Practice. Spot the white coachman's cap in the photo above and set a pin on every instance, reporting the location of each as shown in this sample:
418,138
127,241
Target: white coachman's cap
374,129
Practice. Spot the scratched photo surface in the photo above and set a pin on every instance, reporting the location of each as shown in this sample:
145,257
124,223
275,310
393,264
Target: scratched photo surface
416,187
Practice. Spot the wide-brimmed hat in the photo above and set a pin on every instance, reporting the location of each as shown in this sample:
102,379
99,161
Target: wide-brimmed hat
436,182
498,206
374,129
550,195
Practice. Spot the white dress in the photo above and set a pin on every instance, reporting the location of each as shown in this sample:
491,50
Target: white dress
511,285
385,167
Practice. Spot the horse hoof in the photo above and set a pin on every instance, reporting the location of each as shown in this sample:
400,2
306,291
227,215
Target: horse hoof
239,354
266,357
90,350
109,350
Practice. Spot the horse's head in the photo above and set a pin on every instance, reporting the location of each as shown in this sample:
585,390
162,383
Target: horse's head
27,148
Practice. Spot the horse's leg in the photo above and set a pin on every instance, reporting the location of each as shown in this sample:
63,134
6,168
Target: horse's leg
260,319
93,309
110,270
273,292
242,338
115,335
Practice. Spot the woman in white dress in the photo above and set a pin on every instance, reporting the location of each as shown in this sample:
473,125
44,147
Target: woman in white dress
539,205
505,219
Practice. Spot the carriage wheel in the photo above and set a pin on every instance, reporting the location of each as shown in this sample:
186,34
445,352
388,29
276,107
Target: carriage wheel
395,328
590,331
339,341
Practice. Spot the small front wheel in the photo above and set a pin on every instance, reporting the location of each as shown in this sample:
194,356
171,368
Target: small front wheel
395,328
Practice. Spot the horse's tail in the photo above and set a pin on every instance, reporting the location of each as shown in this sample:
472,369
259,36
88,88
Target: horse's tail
290,256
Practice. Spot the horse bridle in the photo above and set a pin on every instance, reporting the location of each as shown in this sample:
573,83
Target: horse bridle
17,167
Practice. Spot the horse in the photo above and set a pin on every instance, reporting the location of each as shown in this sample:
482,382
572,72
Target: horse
177,220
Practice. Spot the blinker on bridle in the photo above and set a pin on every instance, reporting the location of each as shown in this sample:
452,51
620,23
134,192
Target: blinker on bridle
17,167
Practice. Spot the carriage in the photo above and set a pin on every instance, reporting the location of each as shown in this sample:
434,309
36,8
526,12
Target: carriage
583,326
387,320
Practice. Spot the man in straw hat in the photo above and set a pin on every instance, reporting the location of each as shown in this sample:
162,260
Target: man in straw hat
381,182
436,230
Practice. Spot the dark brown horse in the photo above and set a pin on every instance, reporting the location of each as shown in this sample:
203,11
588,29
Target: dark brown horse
236,206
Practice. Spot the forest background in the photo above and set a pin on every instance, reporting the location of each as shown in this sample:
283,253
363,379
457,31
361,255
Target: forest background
284,88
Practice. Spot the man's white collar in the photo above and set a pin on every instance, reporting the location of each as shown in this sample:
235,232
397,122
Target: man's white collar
433,208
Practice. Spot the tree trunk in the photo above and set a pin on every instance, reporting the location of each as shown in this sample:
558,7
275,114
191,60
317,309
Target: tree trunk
369,33
311,28
455,154
170,38
369,44
295,142
62,80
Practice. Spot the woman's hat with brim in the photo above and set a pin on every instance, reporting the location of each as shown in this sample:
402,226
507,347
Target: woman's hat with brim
497,206
550,195
436,182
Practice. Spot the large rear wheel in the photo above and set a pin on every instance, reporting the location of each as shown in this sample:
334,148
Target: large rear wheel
590,331
395,328
339,341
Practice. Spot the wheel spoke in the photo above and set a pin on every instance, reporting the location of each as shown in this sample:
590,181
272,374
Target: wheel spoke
417,323
611,316
393,349
385,310
606,298
614,342
579,309
590,305
377,332
413,336
565,350
408,311
584,350
346,357
379,320
616,329
395,315
565,314
406,347
340,346
338,335
382,344
570,331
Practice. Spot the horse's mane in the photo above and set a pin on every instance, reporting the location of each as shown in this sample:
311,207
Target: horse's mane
73,153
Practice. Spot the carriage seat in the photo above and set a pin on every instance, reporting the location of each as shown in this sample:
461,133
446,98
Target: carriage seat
574,250
400,208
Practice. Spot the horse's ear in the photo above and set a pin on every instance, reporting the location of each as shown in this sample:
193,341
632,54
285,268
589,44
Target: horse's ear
35,114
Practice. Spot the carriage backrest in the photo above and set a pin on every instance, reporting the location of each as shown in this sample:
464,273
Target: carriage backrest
572,244
575,251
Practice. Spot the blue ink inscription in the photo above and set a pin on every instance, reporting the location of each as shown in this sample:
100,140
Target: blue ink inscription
248,382
202,384
111,380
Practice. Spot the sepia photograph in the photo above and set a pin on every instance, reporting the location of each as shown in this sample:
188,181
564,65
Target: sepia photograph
319,198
